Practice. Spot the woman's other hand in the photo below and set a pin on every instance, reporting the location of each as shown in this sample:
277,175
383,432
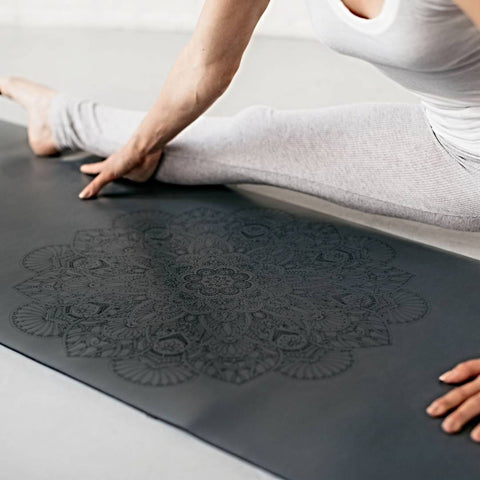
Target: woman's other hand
461,403
124,163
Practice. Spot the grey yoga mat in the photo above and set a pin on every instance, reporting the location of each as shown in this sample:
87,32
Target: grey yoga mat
305,345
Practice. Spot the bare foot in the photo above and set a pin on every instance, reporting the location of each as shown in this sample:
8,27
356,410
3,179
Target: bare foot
36,99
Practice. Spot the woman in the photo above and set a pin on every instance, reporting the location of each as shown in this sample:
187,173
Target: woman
417,161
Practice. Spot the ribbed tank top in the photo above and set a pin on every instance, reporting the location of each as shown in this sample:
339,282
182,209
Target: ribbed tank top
430,47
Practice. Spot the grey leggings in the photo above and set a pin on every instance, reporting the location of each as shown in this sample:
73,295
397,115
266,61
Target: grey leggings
381,158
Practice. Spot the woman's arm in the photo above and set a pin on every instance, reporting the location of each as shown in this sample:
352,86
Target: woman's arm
471,9
200,75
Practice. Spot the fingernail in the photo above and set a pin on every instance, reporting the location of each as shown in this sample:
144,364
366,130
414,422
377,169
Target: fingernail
475,436
81,195
445,376
450,426
433,408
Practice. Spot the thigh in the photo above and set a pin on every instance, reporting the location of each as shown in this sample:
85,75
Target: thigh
382,151
378,157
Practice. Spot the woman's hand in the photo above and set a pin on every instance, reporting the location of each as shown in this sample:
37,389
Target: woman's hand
463,401
201,73
124,163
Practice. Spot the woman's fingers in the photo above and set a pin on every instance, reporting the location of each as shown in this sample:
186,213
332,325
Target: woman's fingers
110,169
453,398
469,409
463,371
124,164
462,402
92,168
475,434
92,189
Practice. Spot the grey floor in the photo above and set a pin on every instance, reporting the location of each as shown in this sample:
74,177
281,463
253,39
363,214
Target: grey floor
127,68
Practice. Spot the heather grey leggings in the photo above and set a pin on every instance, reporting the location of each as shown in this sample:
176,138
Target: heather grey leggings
381,158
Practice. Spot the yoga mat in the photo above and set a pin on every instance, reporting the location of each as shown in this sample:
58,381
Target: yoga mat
305,345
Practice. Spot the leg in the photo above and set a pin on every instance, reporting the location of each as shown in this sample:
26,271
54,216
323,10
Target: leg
381,158
58,122
80,124
377,157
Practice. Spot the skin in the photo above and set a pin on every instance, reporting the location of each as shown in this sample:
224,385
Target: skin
364,8
461,403
200,75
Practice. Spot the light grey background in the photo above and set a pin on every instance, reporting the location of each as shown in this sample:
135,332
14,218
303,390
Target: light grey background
285,18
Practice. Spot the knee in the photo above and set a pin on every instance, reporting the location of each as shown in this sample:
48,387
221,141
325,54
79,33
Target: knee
253,124
254,114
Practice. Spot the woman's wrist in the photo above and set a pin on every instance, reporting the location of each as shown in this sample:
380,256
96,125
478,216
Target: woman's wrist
143,146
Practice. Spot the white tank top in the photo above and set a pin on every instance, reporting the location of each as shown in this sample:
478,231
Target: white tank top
431,47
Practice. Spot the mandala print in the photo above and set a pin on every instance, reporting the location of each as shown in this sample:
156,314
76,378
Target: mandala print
166,298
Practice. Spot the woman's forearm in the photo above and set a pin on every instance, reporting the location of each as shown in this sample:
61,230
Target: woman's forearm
192,86
201,73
